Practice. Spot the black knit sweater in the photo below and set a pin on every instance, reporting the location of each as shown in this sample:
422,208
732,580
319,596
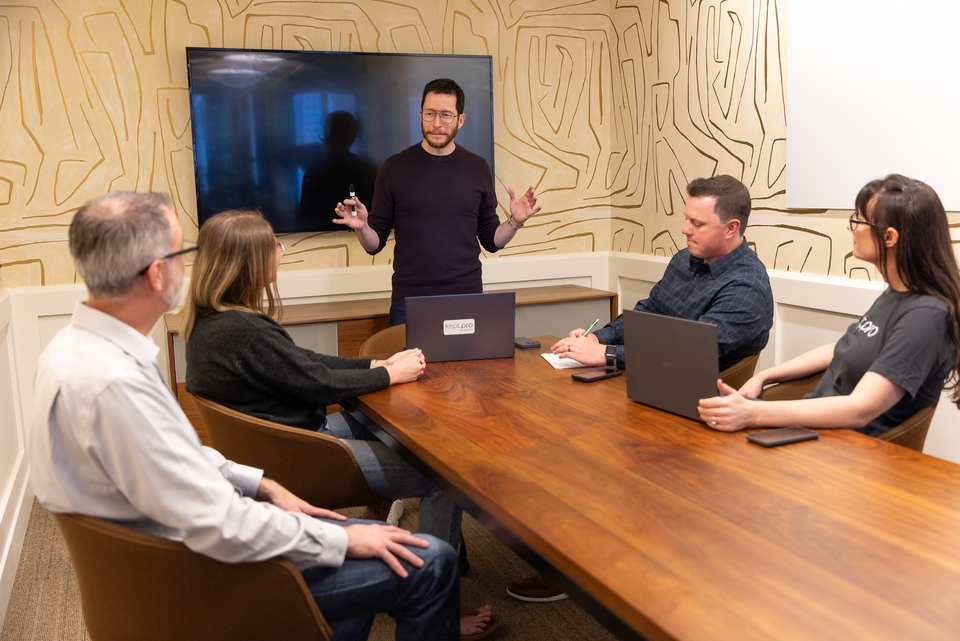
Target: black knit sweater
249,363
438,208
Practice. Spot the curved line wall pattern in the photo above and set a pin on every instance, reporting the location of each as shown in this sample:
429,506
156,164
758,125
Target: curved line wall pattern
608,107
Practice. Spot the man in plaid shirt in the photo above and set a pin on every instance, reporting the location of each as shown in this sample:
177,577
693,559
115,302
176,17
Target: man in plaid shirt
717,279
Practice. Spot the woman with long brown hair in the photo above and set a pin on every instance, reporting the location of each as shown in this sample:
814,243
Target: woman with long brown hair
239,356
894,361
237,353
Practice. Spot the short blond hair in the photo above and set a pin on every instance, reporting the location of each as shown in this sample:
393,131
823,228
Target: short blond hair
233,269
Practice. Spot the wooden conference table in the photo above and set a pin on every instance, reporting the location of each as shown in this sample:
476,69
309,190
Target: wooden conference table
666,529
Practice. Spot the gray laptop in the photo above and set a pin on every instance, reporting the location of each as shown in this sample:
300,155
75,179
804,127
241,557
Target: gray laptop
462,327
671,362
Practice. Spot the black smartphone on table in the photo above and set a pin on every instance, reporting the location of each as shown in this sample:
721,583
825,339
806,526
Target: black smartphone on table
525,343
782,436
592,375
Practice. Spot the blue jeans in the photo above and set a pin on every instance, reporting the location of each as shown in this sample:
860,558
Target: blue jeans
425,605
398,312
391,477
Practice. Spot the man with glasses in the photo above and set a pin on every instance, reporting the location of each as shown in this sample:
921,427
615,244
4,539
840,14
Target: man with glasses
110,440
439,199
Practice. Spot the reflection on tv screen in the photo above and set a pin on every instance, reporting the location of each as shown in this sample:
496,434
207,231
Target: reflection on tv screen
288,132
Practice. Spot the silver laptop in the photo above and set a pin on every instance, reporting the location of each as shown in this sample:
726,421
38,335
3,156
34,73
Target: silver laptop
462,327
671,362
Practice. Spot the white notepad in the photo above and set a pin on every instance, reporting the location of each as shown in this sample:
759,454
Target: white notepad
562,363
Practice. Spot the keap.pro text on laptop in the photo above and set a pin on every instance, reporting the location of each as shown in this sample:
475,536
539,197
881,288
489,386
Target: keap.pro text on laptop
462,327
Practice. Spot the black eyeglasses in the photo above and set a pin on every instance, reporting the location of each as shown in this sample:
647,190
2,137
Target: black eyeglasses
185,250
855,220
429,115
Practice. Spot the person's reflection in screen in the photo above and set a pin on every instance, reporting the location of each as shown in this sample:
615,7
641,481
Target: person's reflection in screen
327,180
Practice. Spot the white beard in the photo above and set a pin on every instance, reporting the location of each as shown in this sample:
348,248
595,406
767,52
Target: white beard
173,294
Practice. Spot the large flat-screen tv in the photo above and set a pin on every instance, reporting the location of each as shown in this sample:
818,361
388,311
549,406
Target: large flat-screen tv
288,132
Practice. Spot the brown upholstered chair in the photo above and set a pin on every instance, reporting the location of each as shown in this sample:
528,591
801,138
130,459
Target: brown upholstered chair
912,433
386,342
791,390
138,586
316,467
740,372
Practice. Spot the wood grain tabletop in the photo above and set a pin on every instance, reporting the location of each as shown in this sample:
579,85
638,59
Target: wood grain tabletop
682,532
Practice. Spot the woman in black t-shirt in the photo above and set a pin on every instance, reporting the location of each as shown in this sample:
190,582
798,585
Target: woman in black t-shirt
892,362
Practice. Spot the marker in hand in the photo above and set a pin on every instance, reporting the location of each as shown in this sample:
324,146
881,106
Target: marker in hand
353,195
592,325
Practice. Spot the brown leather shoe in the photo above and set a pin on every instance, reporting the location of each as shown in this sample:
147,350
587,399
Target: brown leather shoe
536,589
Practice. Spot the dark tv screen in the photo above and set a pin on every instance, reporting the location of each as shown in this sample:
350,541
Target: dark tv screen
288,132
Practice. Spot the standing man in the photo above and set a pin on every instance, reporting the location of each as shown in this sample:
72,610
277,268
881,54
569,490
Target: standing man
717,279
110,440
440,199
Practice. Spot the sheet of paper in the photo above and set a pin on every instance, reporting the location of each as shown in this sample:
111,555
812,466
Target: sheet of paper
562,363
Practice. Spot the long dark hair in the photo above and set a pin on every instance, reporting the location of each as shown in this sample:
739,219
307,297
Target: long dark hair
924,256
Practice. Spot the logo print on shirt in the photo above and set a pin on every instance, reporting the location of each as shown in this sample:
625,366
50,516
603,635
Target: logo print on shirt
868,327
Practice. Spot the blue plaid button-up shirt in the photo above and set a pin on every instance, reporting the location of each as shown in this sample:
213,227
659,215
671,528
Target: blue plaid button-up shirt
731,292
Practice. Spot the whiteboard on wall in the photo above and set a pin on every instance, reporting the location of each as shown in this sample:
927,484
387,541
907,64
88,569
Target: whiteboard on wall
873,87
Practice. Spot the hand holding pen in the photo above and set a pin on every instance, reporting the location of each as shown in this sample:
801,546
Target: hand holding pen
580,346
589,329
352,213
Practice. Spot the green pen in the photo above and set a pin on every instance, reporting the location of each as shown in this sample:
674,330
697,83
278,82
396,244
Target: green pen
592,325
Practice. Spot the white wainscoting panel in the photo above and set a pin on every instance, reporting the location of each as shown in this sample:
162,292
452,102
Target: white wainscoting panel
357,283
635,278
15,494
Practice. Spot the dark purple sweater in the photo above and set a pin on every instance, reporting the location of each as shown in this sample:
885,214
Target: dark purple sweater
438,207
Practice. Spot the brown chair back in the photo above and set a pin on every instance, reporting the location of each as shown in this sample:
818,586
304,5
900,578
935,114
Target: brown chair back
316,467
138,586
740,372
386,342
791,390
912,433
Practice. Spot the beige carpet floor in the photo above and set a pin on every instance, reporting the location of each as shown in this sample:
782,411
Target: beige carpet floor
45,604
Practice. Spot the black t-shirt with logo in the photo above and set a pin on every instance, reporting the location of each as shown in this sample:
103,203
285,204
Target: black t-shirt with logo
903,337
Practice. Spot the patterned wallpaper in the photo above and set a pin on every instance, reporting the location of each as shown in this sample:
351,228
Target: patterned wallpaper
608,107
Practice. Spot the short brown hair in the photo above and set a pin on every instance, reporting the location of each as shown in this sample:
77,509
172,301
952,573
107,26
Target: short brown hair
732,198
233,269
444,86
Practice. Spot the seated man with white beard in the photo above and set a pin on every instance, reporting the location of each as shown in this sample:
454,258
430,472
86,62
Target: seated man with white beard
109,440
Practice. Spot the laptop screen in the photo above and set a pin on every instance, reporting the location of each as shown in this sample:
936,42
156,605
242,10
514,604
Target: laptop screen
462,327
671,362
